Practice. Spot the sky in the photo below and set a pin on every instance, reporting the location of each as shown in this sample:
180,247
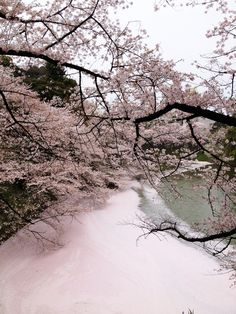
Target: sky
180,32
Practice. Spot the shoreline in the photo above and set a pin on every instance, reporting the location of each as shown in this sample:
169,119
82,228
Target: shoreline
101,269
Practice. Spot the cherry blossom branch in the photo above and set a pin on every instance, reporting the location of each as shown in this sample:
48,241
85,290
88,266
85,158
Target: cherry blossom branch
73,29
196,110
209,193
44,145
30,54
13,116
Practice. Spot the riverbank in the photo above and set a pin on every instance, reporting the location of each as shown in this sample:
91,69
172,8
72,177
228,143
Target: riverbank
100,269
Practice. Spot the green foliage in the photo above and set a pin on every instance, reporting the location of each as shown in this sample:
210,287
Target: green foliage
202,156
230,149
50,81
228,143
19,205
6,61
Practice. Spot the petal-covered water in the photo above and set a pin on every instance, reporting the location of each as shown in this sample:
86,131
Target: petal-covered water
101,269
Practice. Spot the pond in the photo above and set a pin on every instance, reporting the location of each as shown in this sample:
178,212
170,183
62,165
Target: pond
185,199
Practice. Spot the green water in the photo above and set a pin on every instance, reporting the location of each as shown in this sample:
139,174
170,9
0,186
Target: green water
190,201
184,198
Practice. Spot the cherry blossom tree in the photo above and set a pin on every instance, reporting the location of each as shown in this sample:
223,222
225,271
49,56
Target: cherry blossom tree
130,112
219,68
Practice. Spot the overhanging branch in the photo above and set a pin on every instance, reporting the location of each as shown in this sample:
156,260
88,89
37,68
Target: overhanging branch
29,54
196,110
172,228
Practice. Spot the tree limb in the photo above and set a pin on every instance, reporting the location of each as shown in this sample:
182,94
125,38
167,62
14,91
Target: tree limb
196,110
172,227
41,56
